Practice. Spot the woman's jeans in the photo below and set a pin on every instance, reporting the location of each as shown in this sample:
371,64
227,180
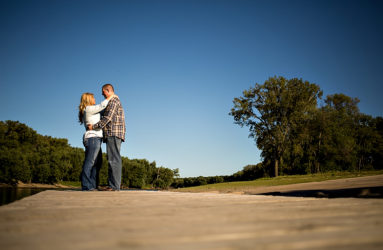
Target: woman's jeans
92,163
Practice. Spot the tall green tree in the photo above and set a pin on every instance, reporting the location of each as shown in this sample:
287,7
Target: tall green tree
368,140
377,149
340,141
272,111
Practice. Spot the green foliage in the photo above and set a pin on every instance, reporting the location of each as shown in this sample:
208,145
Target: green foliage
135,173
298,137
197,181
274,111
29,157
251,172
164,178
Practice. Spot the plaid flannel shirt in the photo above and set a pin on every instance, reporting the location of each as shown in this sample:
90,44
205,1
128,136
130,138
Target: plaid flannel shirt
113,121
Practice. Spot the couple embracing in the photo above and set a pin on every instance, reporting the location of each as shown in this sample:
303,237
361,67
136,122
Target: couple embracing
103,122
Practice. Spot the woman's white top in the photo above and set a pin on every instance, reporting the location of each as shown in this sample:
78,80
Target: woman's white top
91,116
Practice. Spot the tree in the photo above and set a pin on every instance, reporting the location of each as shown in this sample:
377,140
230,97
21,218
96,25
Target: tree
249,172
366,137
272,111
29,157
164,178
377,151
340,141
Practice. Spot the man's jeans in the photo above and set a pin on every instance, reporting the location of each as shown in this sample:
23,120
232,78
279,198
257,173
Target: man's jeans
92,163
113,146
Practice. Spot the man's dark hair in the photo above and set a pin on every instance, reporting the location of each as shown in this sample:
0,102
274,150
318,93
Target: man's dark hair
108,87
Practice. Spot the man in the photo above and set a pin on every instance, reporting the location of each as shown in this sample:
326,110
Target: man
113,125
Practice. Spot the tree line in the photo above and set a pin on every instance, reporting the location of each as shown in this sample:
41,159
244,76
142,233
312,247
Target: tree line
299,132
248,173
30,157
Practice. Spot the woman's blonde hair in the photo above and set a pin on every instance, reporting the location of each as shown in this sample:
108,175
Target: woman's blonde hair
86,100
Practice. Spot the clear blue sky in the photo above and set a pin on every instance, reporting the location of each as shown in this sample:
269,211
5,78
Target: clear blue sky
177,65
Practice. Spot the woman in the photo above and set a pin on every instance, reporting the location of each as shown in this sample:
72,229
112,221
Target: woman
89,113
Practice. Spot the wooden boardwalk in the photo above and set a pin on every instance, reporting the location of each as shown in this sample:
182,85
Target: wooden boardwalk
170,220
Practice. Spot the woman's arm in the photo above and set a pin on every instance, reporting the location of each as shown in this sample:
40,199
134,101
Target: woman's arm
94,109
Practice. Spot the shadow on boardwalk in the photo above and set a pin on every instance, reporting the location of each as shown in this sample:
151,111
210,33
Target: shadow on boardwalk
365,192
361,187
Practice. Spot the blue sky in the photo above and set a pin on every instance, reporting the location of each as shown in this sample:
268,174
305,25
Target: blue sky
177,66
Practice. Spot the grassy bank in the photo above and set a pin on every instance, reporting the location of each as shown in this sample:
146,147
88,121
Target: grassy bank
246,186
63,184
73,184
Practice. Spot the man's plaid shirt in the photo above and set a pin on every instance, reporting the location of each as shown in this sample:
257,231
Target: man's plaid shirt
113,121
